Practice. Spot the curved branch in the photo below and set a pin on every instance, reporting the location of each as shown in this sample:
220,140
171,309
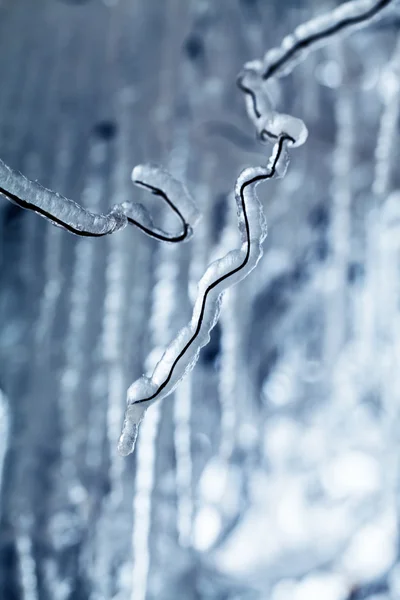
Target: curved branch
182,354
309,36
69,215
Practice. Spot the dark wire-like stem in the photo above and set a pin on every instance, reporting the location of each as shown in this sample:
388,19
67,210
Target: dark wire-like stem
72,217
307,42
254,180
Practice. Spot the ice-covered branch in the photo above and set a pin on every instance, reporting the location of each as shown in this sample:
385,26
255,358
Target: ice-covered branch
315,33
182,354
268,123
69,215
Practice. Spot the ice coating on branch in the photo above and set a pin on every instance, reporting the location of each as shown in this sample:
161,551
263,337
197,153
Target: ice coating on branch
258,101
270,125
58,209
134,414
182,354
155,177
280,61
68,214
317,32
291,126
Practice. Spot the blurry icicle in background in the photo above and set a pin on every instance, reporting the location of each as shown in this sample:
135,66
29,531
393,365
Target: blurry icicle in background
4,431
273,471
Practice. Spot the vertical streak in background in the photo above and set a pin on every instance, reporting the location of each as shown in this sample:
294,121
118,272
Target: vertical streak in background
163,308
19,55
387,263
230,368
71,501
4,436
387,135
386,249
142,502
336,275
228,379
183,456
27,566
372,305
26,475
60,161
50,240
119,262
56,161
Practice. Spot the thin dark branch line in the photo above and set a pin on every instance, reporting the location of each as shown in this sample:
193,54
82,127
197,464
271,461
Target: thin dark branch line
326,34
256,179
116,212
250,92
163,237
303,45
40,211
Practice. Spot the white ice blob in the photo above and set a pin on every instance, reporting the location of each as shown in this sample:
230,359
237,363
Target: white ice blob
270,125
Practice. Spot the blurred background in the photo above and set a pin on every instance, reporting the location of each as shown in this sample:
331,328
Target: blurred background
273,472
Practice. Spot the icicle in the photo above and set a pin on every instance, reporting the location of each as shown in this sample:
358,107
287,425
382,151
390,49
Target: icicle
370,318
182,354
164,305
182,443
111,339
316,33
142,502
27,567
383,246
60,589
79,310
74,358
110,349
387,135
388,246
4,433
112,330
229,365
66,213
340,230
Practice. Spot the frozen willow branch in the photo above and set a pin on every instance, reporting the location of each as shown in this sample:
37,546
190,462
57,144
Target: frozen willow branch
294,48
69,215
182,354
315,33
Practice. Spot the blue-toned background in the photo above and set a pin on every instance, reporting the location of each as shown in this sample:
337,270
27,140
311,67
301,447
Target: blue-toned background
273,471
